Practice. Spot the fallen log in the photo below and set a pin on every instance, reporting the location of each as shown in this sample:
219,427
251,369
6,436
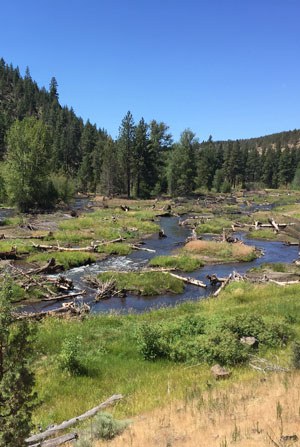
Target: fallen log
137,247
284,283
66,308
65,296
54,442
90,248
42,247
51,267
70,422
214,280
274,224
264,365
223,285
189,280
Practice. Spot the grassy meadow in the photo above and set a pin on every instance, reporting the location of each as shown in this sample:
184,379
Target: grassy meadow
109,348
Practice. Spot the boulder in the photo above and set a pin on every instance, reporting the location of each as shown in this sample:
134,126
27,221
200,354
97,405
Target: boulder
249,341
219,372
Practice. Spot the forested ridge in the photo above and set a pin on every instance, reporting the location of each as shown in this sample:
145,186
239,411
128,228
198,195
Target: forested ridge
142,161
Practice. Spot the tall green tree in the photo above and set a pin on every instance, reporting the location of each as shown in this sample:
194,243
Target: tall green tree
182,165
28,164
143,168
110,169
16,378
160,145
126,144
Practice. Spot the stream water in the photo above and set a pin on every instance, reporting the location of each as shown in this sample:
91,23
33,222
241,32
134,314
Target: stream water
176,235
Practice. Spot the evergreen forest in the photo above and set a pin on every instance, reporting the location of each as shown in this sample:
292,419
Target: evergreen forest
47,152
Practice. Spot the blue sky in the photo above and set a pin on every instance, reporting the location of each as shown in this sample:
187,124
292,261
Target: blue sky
229,68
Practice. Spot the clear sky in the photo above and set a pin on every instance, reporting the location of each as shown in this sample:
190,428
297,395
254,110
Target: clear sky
229,68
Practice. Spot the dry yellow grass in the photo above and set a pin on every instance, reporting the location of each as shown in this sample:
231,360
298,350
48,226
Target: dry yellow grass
220,250
245,415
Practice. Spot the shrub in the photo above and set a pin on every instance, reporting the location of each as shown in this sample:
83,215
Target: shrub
106,427
252,325
149,343
69,356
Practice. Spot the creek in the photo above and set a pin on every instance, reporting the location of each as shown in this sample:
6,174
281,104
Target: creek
176,235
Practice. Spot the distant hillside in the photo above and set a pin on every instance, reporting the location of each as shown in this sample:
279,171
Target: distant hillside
143,160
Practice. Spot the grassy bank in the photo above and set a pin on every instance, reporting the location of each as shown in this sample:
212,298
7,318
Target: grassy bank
184,263
147,284
211,251
110,352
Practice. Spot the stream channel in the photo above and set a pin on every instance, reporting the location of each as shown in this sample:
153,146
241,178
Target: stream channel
176,235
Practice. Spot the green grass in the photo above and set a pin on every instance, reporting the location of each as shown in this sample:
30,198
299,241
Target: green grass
184,263
67,259
118,248
147,284
214,226
108,348
106,225
22,245
263,234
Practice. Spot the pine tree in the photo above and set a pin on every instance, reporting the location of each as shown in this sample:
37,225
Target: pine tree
16,378
53,89
110,169
143,168
160,145
182,166
126,143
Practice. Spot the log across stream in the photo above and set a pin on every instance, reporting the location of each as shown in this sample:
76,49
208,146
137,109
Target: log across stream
273,252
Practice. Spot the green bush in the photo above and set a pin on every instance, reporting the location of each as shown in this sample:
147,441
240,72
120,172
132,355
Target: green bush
252,325
188,340
69,356
149,341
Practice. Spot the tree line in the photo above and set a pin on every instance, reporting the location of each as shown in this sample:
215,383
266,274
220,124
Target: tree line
48,152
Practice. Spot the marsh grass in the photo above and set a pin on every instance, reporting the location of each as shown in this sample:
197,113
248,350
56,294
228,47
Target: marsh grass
147,284
214,226
121,249
22,245
107,224
265,234
221,251
67,259
184,263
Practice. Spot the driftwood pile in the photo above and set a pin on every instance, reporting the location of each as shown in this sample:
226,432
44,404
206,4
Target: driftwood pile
67,309
106,289
51,289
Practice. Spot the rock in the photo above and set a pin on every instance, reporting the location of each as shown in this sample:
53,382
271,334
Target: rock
219,372
161,234
249,341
